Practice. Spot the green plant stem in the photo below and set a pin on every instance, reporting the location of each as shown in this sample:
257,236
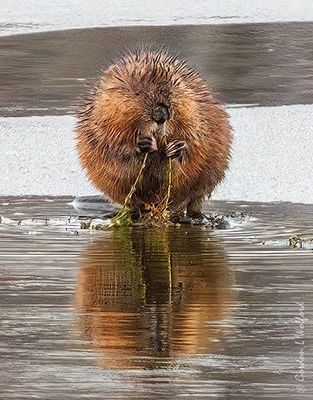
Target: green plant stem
169,186
134,187
124,213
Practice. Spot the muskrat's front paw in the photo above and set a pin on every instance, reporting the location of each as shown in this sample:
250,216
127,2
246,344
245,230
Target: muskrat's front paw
177,149
147,144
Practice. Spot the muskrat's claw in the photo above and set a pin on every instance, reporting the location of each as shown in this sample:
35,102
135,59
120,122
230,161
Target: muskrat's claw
177,149
147,144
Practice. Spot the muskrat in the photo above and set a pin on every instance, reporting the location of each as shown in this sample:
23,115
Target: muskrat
152,102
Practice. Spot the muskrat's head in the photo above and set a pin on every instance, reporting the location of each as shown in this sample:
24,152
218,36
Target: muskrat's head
148,93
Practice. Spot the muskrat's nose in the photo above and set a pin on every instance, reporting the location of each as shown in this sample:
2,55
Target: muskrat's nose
160,114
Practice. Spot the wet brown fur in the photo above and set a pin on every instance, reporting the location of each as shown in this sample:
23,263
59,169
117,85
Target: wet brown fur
118,114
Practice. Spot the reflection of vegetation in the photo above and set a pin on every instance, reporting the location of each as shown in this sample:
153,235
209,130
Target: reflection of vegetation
153,293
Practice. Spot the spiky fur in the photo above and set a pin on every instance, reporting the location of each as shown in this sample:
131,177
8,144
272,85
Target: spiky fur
118,113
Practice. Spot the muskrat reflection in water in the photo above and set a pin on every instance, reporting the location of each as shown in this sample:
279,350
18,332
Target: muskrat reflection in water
153,293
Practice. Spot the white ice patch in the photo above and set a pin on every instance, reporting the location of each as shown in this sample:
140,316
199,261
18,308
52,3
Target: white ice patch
272,156
18,16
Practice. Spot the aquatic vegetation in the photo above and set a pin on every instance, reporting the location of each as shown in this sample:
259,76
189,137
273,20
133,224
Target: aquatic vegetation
300,242
155,214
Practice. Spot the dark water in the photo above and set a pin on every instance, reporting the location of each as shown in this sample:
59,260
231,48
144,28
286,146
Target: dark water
155,313
266,64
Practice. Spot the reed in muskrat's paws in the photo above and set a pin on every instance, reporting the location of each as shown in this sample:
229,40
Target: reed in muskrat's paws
148,109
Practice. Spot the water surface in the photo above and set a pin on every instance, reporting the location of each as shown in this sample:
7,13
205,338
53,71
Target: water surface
154,313
256,64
